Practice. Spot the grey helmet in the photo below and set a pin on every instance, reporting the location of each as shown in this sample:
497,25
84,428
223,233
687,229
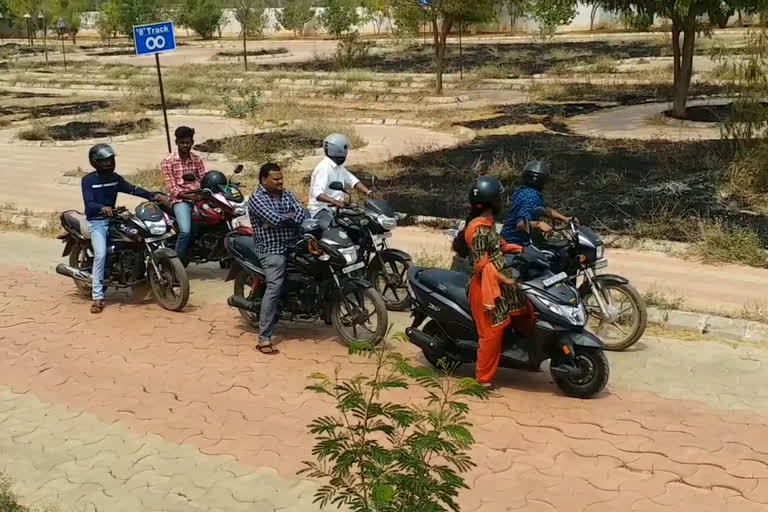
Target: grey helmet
336,147
536,174
102,158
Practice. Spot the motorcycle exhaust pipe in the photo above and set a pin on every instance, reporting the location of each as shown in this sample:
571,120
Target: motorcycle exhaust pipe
426,342
239,302
74,273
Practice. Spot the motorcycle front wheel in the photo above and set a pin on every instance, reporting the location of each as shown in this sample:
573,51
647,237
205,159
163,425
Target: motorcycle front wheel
628,320
388,273
594,364
360,317
171,289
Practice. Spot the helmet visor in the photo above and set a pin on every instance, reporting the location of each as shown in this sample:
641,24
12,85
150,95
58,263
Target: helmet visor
103,153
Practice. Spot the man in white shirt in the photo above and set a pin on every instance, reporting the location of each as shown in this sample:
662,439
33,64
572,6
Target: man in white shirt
330,169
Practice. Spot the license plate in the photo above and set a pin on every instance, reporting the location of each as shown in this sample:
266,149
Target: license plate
555,279
601,264
352,268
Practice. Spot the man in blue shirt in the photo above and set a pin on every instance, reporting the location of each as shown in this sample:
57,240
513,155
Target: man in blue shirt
274,213
524,203
100,189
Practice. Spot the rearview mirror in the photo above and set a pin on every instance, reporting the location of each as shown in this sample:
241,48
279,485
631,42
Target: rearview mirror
336,185
238,169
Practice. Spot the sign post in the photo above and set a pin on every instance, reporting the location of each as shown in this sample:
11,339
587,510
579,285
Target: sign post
154,39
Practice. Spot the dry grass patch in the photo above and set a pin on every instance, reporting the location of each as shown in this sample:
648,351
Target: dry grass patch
150,178
719,242
659,299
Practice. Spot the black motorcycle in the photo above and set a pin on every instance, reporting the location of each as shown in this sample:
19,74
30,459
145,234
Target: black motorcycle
618,311
369,227
577,361
319,283
136,255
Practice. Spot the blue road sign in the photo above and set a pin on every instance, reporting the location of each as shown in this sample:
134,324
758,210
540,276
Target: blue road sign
154,38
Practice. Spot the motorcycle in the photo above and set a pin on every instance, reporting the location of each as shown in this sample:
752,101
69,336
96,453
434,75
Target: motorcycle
319,283
578,364
136,255
213,216
369,227
617,310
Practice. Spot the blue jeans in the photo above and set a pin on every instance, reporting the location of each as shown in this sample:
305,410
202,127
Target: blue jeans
99,233
183,213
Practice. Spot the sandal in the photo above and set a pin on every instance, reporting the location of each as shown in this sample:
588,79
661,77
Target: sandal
97,306
267,348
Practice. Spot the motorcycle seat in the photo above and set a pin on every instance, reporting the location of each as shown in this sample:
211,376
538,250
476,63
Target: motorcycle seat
76,221
245,247
451,285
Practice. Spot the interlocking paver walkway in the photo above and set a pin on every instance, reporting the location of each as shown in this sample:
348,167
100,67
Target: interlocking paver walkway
193,381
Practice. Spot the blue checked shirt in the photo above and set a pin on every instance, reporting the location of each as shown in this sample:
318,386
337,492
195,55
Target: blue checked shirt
522,205
272,231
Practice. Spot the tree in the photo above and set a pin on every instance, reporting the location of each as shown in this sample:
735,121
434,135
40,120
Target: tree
252,16
295,16
71,11
202,16
685,16
445,15
379,11
108,20
340,17
139,12
550,14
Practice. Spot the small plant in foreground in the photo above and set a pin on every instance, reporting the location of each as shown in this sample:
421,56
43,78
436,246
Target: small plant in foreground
384,456
247,106
722,243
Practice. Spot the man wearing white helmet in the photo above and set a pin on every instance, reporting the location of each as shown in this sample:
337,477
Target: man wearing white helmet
330,169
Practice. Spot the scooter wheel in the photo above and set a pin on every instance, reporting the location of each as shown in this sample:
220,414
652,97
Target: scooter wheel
594,363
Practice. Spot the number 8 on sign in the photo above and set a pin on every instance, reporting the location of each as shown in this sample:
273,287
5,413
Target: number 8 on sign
155,43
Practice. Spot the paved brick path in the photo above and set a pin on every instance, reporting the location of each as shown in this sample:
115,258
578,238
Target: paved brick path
179,382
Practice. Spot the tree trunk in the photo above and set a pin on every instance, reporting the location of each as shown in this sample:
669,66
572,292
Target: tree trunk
45,43
683,61
592,15
441,43
245,49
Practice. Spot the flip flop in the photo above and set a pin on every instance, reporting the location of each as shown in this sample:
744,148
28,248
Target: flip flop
267,349
97,307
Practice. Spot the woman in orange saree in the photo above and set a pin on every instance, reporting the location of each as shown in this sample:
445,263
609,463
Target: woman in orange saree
495,296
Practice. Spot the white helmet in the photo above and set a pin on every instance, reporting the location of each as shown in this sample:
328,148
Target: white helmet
336,145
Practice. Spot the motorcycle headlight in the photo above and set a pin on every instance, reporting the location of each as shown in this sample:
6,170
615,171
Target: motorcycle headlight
240,210
575,315
156,228
350,254
599,252
388,223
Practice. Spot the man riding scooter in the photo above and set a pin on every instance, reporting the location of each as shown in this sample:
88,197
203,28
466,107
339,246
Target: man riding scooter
525,204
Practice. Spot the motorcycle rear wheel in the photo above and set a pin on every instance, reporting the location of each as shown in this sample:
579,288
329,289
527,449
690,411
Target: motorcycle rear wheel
342,318
595,363
78,259
243,288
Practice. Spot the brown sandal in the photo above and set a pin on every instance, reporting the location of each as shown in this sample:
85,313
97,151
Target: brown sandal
267,348
97,306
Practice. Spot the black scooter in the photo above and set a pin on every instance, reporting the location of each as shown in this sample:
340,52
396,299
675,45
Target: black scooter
578,364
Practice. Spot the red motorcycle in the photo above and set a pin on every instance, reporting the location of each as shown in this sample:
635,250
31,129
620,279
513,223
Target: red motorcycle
218,206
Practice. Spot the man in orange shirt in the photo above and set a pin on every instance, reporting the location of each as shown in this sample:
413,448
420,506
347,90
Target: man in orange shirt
183,171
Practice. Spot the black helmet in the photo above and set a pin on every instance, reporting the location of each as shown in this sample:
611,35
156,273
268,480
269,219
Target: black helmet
213,181
536,174
102,158
486,191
